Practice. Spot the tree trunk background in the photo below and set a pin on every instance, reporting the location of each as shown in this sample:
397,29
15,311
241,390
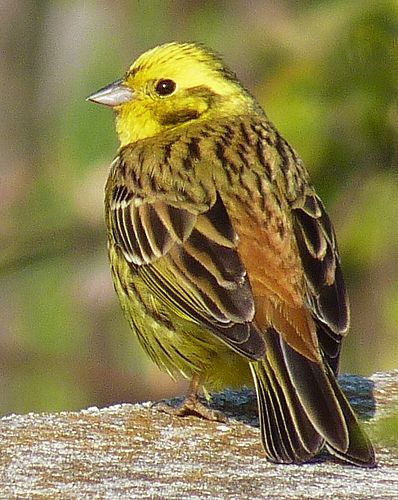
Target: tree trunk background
136,451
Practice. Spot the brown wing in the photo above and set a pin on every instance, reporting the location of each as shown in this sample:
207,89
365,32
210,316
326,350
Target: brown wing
294,268
189,261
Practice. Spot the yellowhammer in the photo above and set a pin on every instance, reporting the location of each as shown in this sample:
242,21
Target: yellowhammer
223,257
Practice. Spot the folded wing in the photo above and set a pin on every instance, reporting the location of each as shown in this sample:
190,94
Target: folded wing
326,292
189,260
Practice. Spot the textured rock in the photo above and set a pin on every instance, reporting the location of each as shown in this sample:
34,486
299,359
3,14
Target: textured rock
130,451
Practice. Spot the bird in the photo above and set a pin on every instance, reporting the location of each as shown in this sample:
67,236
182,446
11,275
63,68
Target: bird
223,256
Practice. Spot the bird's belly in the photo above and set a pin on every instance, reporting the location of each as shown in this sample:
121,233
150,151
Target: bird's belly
178,346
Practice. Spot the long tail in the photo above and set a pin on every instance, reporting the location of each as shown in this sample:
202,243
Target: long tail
302,408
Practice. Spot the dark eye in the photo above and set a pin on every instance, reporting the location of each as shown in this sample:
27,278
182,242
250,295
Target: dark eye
165,87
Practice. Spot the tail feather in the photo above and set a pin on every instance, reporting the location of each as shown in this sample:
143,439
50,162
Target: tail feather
287,434
270,418
301,407
360,450
317,397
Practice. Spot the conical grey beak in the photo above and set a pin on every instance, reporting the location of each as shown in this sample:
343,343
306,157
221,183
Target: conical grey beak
113,94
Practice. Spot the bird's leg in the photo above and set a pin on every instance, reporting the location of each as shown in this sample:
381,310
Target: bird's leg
192,405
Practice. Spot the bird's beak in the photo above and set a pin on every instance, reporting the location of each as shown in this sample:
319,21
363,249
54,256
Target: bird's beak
114,94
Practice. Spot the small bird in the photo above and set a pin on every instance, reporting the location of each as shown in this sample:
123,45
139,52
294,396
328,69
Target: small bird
222,254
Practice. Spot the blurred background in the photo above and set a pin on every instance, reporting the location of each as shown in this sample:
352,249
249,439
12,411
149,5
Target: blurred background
327,74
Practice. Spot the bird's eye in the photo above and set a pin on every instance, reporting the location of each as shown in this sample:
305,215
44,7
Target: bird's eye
165,87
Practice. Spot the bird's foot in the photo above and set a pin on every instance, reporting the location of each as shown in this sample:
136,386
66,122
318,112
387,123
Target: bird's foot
191,406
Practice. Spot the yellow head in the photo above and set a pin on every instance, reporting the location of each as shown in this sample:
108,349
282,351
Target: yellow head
171,86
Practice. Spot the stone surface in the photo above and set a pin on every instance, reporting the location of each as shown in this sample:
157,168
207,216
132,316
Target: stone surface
135,451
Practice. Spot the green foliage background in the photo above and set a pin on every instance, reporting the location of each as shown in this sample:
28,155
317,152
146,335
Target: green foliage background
327,74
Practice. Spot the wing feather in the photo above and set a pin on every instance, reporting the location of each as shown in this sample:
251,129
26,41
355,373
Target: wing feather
326,289
189,260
